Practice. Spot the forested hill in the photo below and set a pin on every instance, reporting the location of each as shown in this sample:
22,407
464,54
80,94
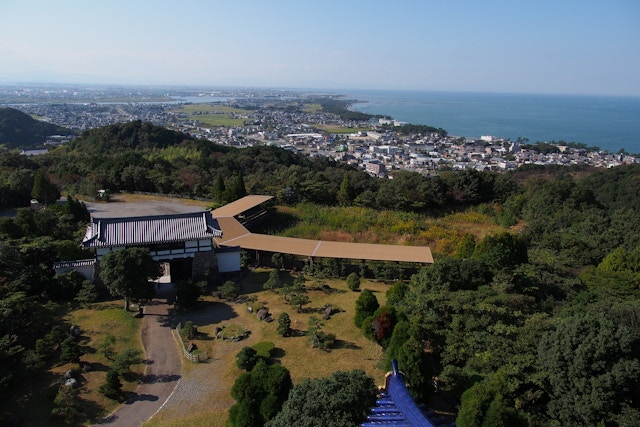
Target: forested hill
134,135
20,130
529,317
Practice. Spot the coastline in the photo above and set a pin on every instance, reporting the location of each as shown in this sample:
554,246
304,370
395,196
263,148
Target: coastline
607,122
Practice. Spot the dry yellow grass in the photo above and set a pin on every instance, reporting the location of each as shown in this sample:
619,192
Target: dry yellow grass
353,351
362,225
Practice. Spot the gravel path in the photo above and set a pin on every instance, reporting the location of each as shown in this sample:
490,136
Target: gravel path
202,388
169,390
159,206
164,365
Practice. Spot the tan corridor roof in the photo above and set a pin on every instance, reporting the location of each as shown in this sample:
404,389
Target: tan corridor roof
374,252
240,206
231,230
234,234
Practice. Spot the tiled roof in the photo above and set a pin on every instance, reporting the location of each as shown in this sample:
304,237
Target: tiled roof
73,264
396,407
150,229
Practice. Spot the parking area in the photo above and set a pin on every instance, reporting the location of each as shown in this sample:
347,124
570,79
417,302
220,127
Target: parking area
136,205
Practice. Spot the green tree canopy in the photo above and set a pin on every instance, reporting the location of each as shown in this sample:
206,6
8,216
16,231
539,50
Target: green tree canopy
127,272
259,395
366,305
43,189
342,400
112,386
188,292
593,366
353,281
246,358
502,251
284,324
485,405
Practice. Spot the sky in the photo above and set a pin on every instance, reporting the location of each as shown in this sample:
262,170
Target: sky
514,46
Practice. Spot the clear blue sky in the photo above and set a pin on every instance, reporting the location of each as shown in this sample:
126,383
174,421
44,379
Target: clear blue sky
521,46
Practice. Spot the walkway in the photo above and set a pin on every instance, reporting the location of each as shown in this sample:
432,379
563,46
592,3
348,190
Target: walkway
164,364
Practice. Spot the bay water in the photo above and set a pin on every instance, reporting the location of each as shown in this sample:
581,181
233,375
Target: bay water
609,122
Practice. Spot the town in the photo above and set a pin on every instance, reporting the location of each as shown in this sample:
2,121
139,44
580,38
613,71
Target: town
281,118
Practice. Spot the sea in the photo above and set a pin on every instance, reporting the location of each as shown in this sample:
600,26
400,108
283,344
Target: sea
611,123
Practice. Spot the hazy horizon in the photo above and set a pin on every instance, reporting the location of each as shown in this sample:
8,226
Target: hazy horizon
543,47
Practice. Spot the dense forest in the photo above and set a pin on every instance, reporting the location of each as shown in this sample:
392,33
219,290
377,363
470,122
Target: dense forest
141,157
536,325
18,129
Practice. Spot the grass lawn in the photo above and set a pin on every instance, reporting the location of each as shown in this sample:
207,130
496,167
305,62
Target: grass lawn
36,394
97,322
311,108
352,351
214,115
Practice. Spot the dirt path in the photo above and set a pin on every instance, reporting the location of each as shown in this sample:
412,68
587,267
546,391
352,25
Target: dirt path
164,365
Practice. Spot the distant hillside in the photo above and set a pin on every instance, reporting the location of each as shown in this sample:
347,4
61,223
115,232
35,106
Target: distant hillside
20,130
134,135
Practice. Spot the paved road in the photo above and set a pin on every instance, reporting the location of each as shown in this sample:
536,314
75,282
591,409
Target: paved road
164,365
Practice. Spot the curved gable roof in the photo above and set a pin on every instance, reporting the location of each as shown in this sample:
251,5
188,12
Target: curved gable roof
396,407
106,232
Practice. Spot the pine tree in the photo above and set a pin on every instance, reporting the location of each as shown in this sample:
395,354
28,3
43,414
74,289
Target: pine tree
219,190
344,195
112,386
284,324
353,281
70,352
366,305
238,189
43,189
65,405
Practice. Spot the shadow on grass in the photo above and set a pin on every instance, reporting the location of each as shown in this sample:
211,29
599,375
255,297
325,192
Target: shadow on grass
203,336
255,280
275,222
132,377
89,411
297,333
340,344
277,353
87,349
95,366
208,313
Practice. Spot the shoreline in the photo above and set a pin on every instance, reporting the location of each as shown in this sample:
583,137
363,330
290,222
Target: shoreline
581,119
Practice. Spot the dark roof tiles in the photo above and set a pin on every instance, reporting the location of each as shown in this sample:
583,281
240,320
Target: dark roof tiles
150,229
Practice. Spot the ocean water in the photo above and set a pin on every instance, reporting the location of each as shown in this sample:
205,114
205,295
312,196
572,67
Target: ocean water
611,123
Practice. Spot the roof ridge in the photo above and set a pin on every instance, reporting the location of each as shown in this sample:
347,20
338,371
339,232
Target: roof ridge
135,218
